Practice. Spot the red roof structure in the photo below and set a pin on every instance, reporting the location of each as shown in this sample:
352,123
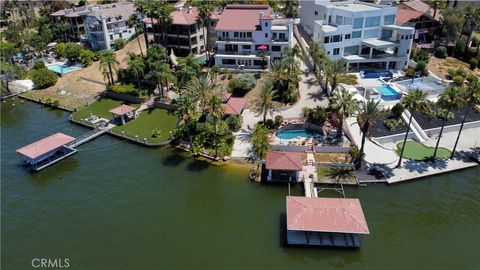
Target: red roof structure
235,105
122,109
242,17
405,15
45,145
325,215
284,161
186,16
420,6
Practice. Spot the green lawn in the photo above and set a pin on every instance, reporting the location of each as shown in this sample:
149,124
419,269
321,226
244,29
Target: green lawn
99,108
418,151
148,121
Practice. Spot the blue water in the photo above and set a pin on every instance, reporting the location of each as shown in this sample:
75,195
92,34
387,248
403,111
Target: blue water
60,69
292,134
388,93
201,59
374,74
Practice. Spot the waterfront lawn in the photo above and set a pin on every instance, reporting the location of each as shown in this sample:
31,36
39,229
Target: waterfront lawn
147,122
100,108
418,151
325,175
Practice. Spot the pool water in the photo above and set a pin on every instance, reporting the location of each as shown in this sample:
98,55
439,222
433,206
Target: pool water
294,133
201,59
388,93
374,74
62,69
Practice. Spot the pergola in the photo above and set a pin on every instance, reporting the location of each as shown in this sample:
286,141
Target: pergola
122,111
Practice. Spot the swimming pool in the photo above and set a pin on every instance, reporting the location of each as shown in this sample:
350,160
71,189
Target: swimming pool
371,74
294,133
62,69
427,85
201,59
388,93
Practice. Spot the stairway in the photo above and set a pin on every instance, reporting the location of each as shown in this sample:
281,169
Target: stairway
420,135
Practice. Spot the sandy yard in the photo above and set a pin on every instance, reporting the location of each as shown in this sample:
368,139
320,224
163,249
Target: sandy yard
73,92
440,66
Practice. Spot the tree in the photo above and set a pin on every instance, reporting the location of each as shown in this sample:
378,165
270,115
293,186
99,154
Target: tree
205,8
436,5
215,111
201,89
187,113
449,99
137,66
344,105
60,50
290,8
414,101
264,55
141,6
162,74
108,64
134,23
369,114
317,54
61,28
333,71
452,23
340,173
471,96
263,101
259,140
160,11
72,51
43,78
472,20
86,57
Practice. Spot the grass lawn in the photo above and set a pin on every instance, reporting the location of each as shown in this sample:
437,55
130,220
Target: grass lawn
418,151
99,108
148,121
324,176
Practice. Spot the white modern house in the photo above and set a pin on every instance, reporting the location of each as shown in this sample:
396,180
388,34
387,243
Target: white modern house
364,35
105,24
245,31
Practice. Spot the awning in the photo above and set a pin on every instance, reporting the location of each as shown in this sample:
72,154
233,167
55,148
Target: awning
123,109
262,47
45,145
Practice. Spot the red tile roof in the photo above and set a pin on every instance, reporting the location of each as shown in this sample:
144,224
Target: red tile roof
235,105
123,109
285,161
418,5
45,145
183,17
242,17
405,15
325,215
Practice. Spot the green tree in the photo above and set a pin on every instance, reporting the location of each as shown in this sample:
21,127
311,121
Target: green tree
264,55
108,64
215,112
472,20
451,98
61,29
317,54
437,5
43,78
60,49
414,101
470,96
369,114
341,173
141,6
290,8
72,51
201,89
263,101
134,23
162,75
187,113
344,105
259,140
118,44
160,11
333,71
205,9
137,66
86,57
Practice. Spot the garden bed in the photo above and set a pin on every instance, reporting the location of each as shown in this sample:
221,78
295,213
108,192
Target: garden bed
427,123
381,130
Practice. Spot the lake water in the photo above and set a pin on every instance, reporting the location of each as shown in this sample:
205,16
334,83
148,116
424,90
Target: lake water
116,205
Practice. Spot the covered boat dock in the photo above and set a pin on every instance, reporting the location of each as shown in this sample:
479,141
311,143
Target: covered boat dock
332,222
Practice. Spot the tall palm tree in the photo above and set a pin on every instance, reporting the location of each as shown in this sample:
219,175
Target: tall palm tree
133,22
108,64
471,96
472,18
160,11
205,8
264,55
201,89
215,111
436,5
344,105
414,101
138,67
369,114
187,113
449,99
333,71
290,8
62,28
317,54
263,101
142,6
259,140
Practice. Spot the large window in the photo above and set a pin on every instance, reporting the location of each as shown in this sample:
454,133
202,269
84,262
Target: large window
336,51
347,21
229,62
357,23
370,33
339,20
326,40
372,21
389,19
337,38
352,50
356,34
276,48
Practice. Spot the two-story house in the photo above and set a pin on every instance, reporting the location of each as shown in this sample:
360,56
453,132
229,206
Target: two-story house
245,31
363,35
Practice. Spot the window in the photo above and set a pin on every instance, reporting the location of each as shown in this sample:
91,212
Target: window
357,23
411,36
111,37
370,33
249,34
235,34
347,36
120,35
336,51
339,20
276,48
266,35
326,40
337,38
352,50
357,34
266,24
246,47
372,21
389,19
408,51
316,12
401,37
228,61
347,21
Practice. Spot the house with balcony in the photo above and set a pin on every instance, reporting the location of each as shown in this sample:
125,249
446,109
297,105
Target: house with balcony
364,35
185,34
106,24
249,37
74,17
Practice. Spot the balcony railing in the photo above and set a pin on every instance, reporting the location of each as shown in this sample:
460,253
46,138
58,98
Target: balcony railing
220,38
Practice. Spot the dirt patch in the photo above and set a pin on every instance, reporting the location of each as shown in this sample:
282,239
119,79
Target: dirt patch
333,157
441,66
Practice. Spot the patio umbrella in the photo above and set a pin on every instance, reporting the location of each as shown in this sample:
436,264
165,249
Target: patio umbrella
262,47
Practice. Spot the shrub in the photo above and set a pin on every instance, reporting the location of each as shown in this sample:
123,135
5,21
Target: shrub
119,44
443,114
269,124
460,71
472,78
128,89
43,78
60,49
87,57
157,133
460,47
348,79
430,114
397,110
393,123
421,65
458,80
473,63
234,122
72,51
410,72
242,84
278,120
317,115
441,52
39,65
422,55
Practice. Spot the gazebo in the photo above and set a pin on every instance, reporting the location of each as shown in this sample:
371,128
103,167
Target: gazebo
122,111
284,166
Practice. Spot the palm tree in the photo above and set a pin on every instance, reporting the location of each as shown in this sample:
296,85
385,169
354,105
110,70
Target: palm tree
341,173
62,28
369,114
449,99
205,8
472,17
160,11
317,55
215,111
414,101
344,105
333,71
436,5
290,8
201,89
108,64
264,56
263,101
187,113
133,22
471,96
259,140
138,67
141,6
